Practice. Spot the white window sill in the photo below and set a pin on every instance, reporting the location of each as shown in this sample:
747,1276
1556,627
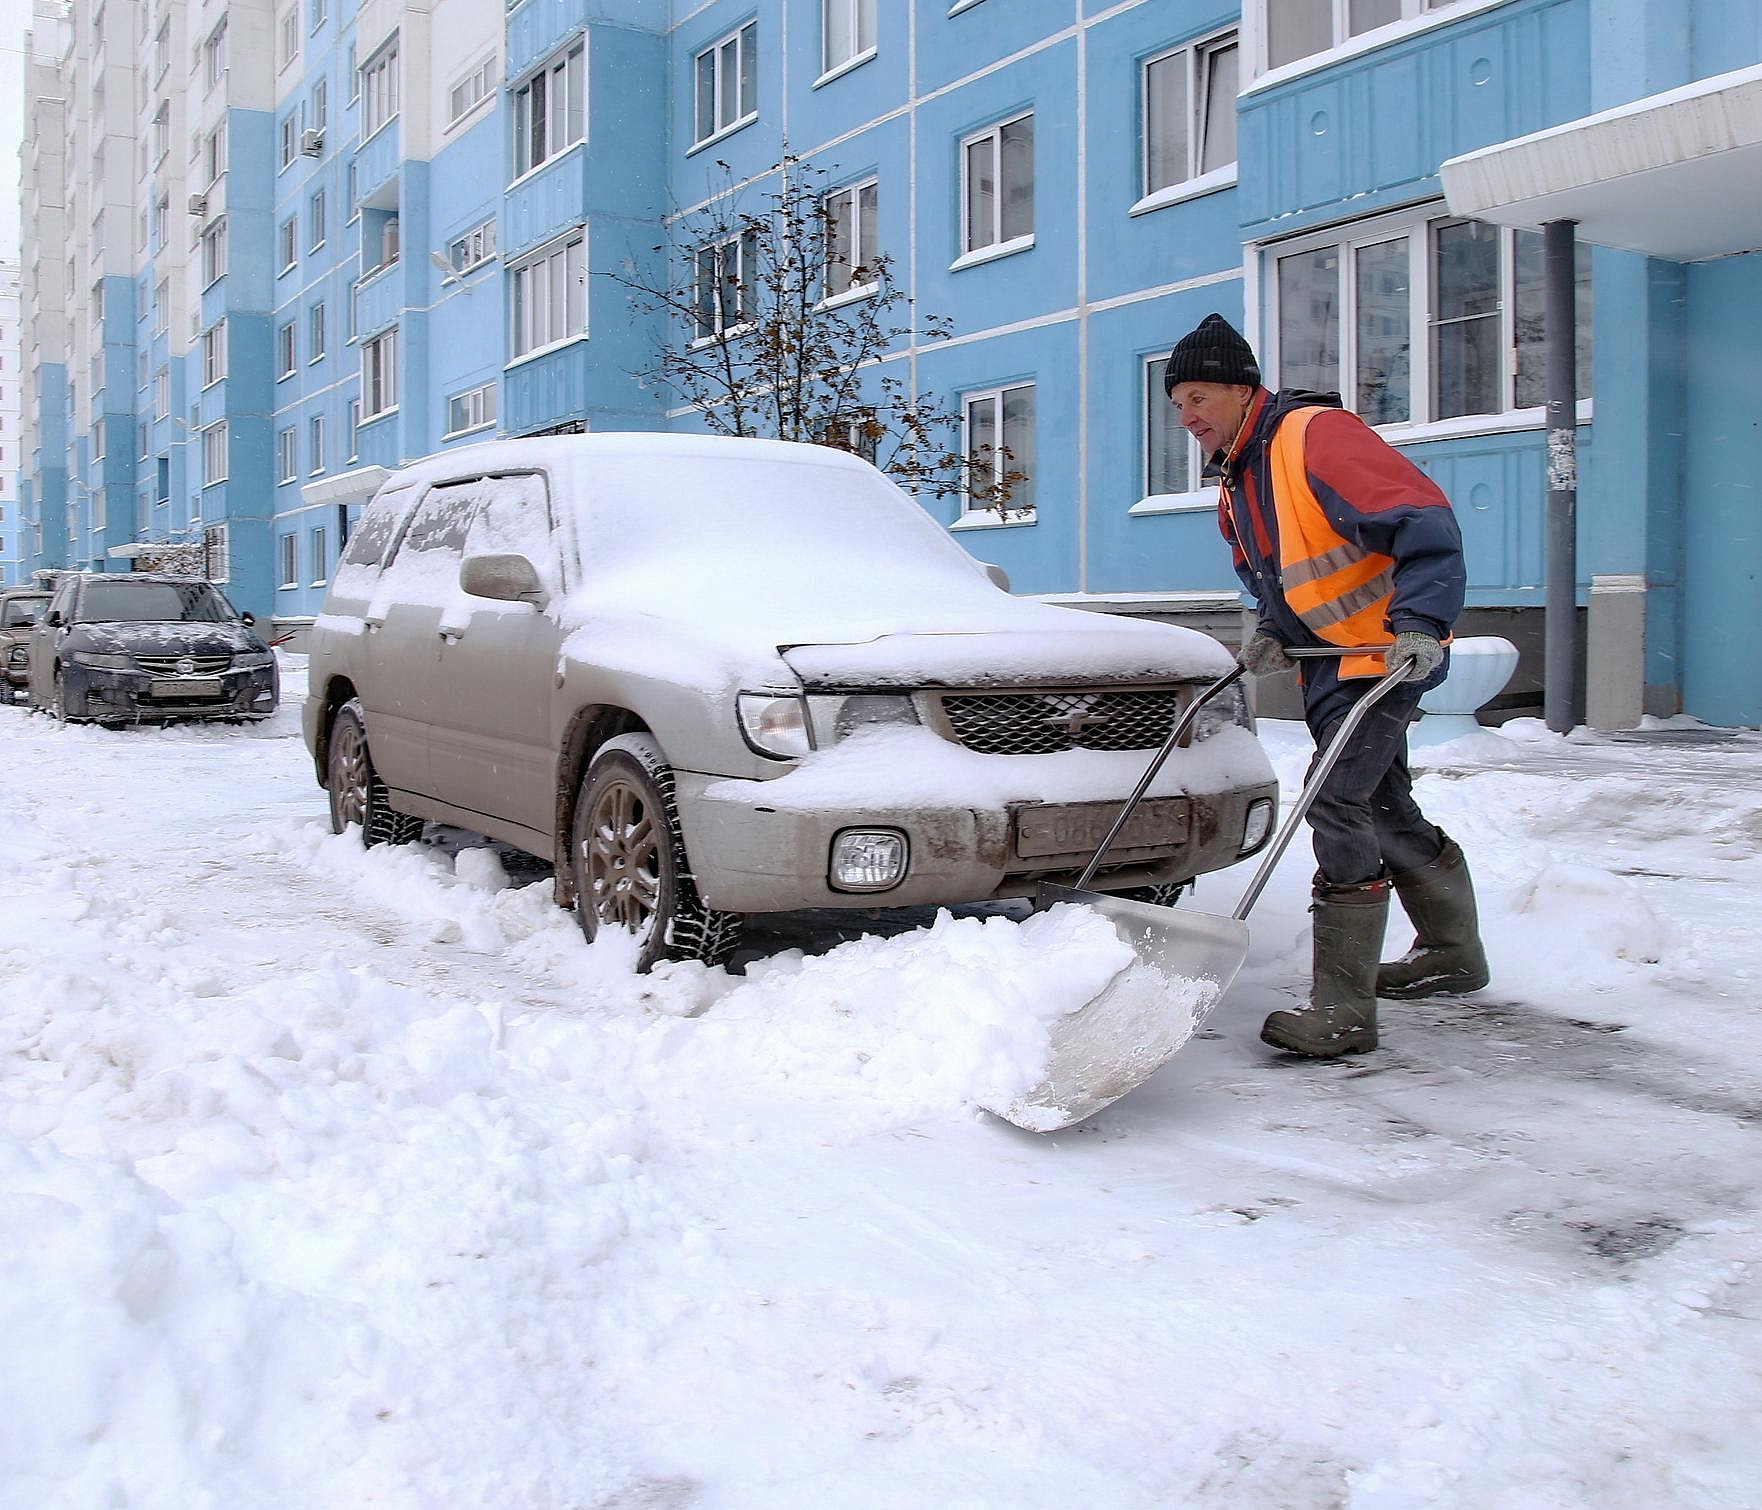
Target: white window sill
850,296
488,424
287,586
1464,426
478,109
374,418
282,377
1193,188
390,120
961,5
1370,41
544,351
313,361
727,131
993,252
841,69
283,482
990,519
550,162
727,333
1203,502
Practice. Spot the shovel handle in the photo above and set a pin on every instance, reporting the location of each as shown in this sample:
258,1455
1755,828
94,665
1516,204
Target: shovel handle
1306,799
1176,735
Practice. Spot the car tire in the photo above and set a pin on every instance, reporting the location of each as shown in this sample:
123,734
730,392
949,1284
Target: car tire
1162,894
357,795
57,701
629,863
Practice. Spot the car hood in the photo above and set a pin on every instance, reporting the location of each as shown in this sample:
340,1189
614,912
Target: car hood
166,638
1049,645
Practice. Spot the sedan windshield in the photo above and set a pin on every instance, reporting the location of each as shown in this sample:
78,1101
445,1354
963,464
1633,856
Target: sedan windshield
126,602
16,612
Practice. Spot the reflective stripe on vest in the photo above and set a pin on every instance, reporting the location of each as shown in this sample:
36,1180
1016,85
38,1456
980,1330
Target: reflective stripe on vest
1340,591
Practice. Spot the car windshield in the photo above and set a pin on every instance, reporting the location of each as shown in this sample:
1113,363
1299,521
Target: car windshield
19,611
123,601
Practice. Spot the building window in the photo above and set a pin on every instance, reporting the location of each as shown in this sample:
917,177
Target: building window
851,238
1171,455
287,37
162,51
290,245
285,351
214,252
161,134
214,153
475,410
354,423
320,553
98,441
550,110
216,551
847,32
290,139
1189,113
727,83
287,466
214,454
379,374
161,394
379,85
320,13
315,444
725,283
315,333
214,57
315,221
320,105
471,91
997,184
1414,320
213,354
1296,29
354,74
550,296
999,447
474,248
162,307
289,552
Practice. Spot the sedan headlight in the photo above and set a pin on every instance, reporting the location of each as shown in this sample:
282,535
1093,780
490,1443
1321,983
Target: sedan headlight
775,724
252,660
102,662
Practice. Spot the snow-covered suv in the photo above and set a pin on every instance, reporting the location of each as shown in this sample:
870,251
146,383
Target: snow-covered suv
709,678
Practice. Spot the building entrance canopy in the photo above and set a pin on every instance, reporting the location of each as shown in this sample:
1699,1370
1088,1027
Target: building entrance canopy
1677,175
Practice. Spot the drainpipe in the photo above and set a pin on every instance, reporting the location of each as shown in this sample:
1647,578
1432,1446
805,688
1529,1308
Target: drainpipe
1560,613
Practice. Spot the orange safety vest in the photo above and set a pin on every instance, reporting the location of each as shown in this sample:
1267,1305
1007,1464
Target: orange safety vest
1339,590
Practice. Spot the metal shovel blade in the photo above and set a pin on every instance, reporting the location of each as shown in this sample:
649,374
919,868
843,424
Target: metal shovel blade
1184,962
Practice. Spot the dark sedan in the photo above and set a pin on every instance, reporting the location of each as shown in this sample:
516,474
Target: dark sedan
146,648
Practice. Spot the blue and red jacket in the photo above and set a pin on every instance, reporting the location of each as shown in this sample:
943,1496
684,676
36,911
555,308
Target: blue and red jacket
1342,540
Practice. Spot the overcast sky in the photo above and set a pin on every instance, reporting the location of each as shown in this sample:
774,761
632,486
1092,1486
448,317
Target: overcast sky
14,18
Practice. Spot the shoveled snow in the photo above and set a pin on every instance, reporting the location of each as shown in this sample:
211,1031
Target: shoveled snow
335,1177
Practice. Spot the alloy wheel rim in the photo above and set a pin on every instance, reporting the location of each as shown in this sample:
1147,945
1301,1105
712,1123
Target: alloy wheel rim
349,776
622,856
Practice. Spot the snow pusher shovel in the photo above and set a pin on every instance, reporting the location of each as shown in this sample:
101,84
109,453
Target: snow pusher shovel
1185,960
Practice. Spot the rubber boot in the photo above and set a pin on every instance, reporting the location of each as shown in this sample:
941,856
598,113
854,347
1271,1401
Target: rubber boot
1446,957
1341,1014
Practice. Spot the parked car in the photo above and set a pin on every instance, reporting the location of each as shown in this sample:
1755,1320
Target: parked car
20,608
710,678
148,647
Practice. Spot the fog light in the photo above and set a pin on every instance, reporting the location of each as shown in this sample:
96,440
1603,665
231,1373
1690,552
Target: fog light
1258,824
868,859
265,696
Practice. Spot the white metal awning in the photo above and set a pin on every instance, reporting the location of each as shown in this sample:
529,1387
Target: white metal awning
345,487
1677,175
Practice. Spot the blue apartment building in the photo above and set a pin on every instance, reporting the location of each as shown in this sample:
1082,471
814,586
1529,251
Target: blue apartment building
398,252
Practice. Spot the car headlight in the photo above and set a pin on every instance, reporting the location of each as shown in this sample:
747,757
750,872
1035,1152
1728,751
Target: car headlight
253,660
102,662
18,655
775,724
1227,709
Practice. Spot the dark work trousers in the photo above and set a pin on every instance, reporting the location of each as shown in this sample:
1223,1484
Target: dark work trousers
1366,822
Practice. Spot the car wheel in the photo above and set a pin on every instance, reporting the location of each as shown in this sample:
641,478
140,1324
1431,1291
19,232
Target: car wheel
629,860
57,702
1162,894
357,795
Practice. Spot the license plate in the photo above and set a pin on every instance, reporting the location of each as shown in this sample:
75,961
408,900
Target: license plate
186,686
1078,829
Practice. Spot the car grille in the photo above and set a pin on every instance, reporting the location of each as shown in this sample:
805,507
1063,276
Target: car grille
170,665
1042,723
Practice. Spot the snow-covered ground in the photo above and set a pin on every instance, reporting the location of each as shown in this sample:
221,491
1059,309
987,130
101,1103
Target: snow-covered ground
336,1178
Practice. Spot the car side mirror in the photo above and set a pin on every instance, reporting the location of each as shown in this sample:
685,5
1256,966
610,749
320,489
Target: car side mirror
999,577
247,617
53,618
509,578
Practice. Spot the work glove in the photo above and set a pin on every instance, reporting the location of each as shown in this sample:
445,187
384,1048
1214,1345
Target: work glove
1264,656
1421,651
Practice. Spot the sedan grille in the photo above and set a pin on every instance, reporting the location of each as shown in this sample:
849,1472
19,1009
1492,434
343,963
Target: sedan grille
183,665
1043,723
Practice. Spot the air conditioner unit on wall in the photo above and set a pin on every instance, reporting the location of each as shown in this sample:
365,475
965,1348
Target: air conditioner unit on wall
198,204
312,143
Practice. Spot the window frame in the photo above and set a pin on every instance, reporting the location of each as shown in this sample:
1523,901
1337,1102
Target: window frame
863,224
316,459
287,351
288,549
522,307
484,76
972,513
317,333
484,234
287,36
858,13
720,128
522,133
288,235
999,245
379,369
210,434
1343,41
316,228
287,455
746,246
1197,79
486,406
214,253
1196,495
381,89
214,354
318,543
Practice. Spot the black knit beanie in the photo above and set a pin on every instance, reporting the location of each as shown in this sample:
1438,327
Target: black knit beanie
1214,353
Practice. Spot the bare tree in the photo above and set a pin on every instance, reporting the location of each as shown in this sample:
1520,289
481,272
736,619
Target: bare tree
779,327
